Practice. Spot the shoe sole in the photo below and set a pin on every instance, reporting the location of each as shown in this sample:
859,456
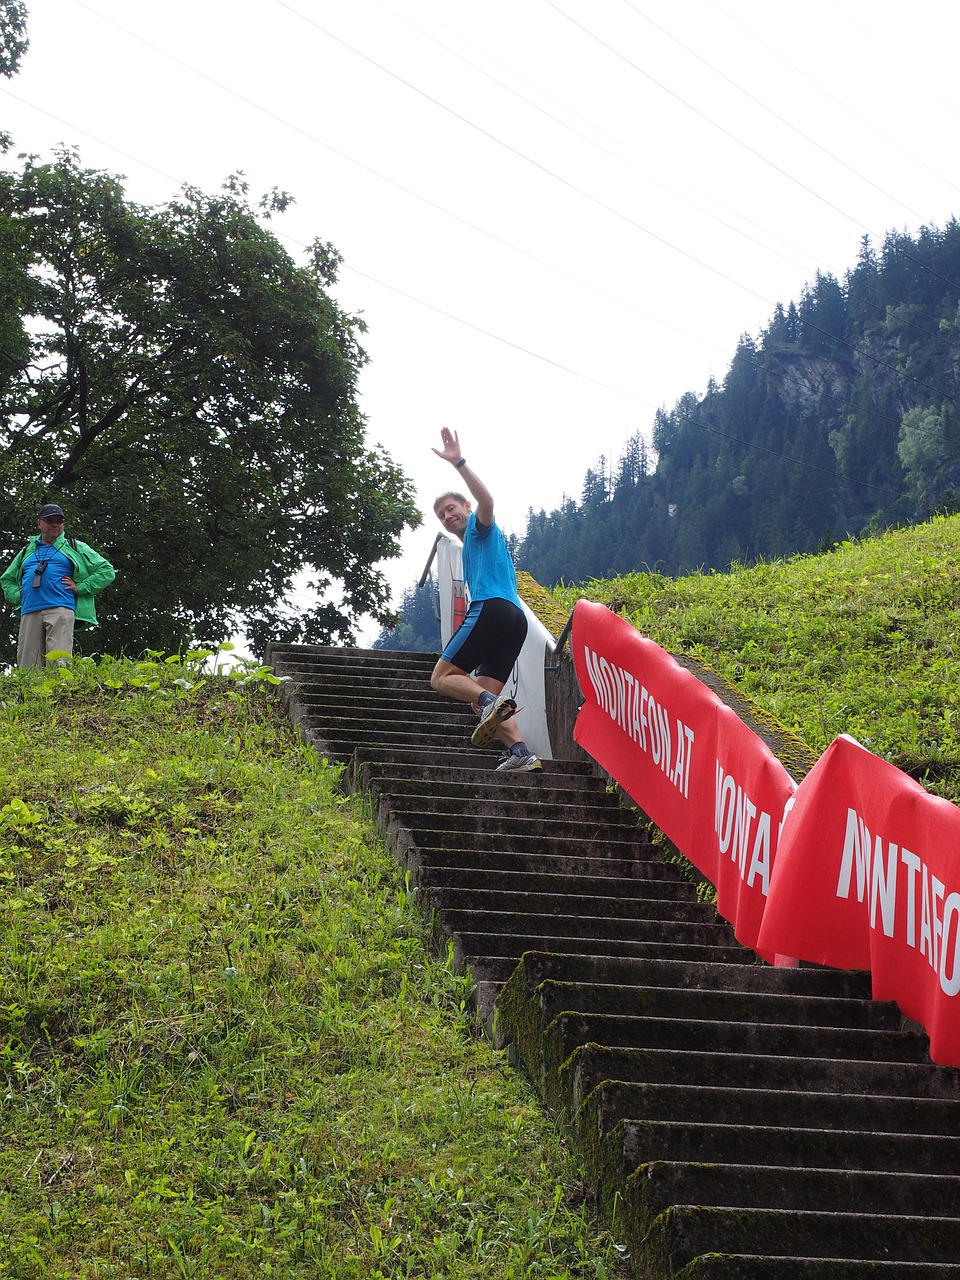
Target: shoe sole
486,731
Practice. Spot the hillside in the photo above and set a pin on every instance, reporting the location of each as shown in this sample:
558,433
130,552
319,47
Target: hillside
840,418
862,640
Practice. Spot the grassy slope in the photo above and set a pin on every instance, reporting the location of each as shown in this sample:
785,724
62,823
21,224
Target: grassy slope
864,640
226,1049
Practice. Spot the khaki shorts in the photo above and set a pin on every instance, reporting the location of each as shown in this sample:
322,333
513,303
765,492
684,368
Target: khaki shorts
44,631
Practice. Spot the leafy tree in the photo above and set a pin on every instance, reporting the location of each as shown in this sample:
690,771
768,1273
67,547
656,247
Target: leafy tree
921,449
842,418
188,393
13,36
823,315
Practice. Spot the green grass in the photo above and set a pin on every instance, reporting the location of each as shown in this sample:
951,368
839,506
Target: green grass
226,1049
862,640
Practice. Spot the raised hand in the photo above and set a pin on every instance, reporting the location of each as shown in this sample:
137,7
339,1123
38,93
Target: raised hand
451,446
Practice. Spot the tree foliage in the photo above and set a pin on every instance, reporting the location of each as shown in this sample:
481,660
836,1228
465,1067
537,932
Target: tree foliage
13,36
841,417
188,393
418,628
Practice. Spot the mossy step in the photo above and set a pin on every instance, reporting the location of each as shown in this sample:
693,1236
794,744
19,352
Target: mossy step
367,682
348,729
488,945
515,818
702,931
717,1266
606,864
758,978
685,1232
697,1004
524,1017
631,1144
476,768
716,1104
549,905
324,673
510,804
524,837
559,864
308,656
569,1030
407,778
530,879
662,1183
422,709
698,1063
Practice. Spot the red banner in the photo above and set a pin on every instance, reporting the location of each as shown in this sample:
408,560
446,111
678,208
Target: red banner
711,784
868,877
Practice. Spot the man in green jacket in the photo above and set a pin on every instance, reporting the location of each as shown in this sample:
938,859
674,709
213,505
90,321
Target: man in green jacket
52,581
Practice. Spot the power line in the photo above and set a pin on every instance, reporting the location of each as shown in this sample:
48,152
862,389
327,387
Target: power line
844,106
764,106
414,194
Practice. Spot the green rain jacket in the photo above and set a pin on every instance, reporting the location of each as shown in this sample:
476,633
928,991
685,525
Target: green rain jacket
91,573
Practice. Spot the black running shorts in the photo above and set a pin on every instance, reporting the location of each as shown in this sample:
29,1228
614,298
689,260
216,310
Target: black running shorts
488,640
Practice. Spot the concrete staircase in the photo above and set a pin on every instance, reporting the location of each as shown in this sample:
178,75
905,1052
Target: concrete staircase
738,1121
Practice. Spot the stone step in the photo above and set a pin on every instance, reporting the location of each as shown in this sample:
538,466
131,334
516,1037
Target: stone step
805,980
716,1266
699,1004
520,828
701,931
312,657
591,1065
778,1108
484,947
620,1031
576,818
530,881
420,714
663,1183
464,765
525,840
555,865
632,1143
347,733
404,777
462,769
367,697
546,906
685,1232
741,1122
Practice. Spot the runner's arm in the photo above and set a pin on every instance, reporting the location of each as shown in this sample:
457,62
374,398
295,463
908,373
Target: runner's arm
478,490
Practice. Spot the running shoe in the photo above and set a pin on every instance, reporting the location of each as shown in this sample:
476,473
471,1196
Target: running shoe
491,718
511,763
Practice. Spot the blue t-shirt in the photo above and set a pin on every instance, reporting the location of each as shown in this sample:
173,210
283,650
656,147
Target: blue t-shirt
487,564
51,593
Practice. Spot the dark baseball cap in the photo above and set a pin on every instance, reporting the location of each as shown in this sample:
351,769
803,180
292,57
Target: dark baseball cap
49,510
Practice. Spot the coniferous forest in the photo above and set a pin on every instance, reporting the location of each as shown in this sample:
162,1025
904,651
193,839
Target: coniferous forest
840,419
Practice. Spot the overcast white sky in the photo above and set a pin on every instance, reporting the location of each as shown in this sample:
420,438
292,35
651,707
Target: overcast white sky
555,215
